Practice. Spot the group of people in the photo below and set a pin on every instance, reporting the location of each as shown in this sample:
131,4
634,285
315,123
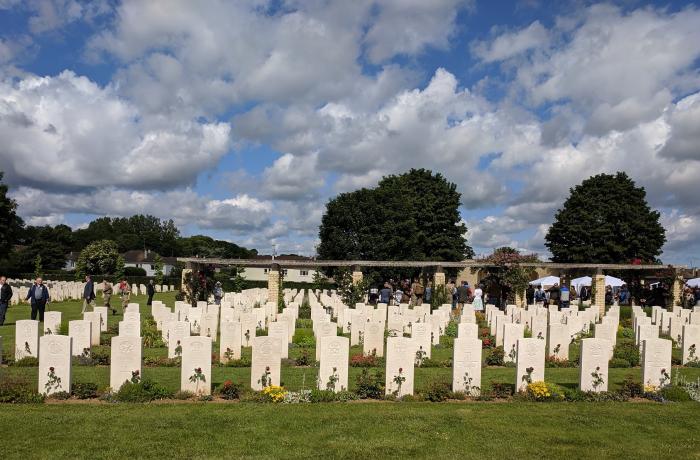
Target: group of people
414,292
39,296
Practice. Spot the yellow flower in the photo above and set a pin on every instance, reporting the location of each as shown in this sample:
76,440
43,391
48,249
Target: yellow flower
274,393
539,390
650,388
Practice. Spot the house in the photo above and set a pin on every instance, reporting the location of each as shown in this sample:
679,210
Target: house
296,275
146,259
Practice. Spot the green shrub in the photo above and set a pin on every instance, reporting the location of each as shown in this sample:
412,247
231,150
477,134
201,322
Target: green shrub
60,395
144,391
626,333
346,395
304,338
152,337
100,356
501,390
370,384
674,393
230,390
28,361
430,362
19,390
85,390
631,389
183,395
320,396
437,391
627,351
495,357
243,362
619,362
304,359
451,329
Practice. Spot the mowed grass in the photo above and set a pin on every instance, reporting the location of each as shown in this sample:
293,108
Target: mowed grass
355,430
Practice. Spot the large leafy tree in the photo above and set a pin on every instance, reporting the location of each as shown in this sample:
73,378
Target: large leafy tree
10,223
504,276
412,216
606,219
100,258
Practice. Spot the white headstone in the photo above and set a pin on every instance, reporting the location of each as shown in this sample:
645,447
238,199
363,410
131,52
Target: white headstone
52,322
95,320
333,367
129,329
593,374
529,365
195,375
230,345
54,364
691,343
266,366
559,340
125,360
79,331
178,330
399,366
103,317
467,330
511,333
466,370
656,362
26,338
278,329
324,329
374,338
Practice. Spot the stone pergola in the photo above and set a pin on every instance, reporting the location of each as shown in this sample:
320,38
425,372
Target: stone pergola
274,267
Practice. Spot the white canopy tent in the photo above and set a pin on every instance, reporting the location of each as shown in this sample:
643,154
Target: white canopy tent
587,281
695,282
546,281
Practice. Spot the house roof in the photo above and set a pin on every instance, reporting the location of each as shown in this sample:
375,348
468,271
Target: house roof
282,257
138,256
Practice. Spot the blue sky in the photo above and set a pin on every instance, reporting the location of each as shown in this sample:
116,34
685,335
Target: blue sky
241,119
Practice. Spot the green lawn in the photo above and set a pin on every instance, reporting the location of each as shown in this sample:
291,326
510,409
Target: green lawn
355,430
335,430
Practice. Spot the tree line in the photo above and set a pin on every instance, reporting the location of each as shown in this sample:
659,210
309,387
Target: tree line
22,245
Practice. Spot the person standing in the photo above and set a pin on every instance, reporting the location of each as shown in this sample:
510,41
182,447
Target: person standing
5,298
462,297
564,296
218,293
39,297
107,295
150,292
385,294
124,293
417,291
478,302
88,293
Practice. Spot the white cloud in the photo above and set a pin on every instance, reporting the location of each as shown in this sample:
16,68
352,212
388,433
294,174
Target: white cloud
67,132
185,207
510,44
292,177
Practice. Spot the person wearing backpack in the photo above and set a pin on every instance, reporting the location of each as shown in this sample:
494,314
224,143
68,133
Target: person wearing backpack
417,291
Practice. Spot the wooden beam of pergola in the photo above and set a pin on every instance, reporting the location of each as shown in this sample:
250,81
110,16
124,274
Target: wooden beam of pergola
412,264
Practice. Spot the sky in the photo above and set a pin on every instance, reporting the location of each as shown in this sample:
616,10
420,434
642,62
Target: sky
241,119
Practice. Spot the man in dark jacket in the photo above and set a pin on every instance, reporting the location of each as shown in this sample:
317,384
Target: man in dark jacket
39,297
5,298
88,293
150,291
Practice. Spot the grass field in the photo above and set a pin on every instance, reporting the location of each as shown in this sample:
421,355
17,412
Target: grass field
335,430
355,430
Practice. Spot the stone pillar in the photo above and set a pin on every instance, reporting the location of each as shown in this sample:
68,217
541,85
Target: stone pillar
599,289
356,275
439,277
183,284
273,283
519,298
677,290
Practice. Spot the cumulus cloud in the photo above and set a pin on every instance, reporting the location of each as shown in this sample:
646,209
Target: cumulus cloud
66,132
510,44
185,207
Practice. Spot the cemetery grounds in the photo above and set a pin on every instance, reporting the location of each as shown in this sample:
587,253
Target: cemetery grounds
364,428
